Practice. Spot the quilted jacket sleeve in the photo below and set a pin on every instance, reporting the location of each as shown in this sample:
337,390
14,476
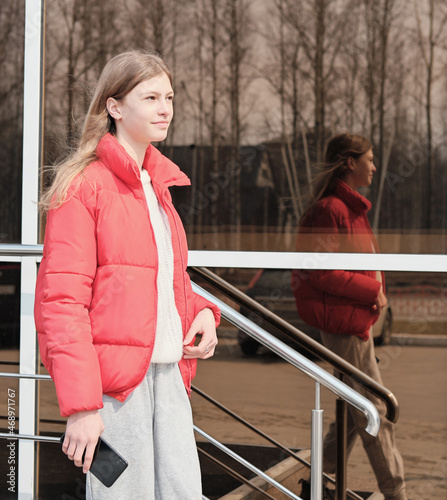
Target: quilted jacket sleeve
63,296
201,303
347,284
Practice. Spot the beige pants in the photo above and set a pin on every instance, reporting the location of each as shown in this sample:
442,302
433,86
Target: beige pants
383,455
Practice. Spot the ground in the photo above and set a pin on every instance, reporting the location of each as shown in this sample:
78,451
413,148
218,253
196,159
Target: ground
278,398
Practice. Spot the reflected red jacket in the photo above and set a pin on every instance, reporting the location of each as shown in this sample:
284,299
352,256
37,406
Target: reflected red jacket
339,302
96,295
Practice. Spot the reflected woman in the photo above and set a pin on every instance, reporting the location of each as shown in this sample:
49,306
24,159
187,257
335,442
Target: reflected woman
345,304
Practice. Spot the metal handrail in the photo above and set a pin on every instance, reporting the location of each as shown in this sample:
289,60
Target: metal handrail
298,360
304,340
16,250
277,444
246,464
30,437
233,473
33,376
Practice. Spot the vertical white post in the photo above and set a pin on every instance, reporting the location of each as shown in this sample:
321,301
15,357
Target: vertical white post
32,119
32,140
316,458
27,388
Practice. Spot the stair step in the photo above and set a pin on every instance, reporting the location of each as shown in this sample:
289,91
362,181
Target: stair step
286,472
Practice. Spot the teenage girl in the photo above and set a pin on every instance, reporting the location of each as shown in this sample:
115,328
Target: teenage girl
115,312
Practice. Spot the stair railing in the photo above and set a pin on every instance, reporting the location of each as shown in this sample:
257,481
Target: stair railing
316,349
321,377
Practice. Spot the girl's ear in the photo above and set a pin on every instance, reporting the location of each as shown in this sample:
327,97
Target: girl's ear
350,163
113,108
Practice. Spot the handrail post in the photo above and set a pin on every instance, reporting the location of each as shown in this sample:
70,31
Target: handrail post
316,449
341,409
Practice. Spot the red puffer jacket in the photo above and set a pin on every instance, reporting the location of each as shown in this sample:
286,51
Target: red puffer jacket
96,295
339,302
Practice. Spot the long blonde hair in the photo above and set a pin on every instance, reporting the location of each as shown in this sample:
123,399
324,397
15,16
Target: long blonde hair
339,148
119,76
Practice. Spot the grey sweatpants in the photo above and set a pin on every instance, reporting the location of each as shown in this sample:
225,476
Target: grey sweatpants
382,452
153,431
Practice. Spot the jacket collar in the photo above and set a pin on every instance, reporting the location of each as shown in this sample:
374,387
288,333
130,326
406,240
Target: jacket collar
161,170
355,201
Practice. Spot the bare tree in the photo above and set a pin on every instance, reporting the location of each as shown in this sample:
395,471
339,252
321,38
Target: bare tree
206,76
210,48
379,18
84,35
72,14
236,22
321,46
236,18
284,71
11,106
435,22
151,34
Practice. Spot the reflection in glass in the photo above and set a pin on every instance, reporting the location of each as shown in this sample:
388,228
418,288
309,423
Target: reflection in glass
11,110
9,310
417,301
9,360
250,131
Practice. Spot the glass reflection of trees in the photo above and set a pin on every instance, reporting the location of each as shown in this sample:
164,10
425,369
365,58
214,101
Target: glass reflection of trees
277,78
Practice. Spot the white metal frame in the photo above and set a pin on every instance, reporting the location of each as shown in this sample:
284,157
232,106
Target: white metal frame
32,140
314,260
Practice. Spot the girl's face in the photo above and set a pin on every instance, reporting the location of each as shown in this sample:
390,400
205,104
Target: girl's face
361,171
144,114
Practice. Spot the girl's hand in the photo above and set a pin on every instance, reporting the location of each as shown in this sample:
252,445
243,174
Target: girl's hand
381,302
204,324
81,435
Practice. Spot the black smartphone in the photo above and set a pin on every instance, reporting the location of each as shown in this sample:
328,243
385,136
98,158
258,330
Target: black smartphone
107,464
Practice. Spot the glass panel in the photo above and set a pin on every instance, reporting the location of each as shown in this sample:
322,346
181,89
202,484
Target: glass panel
11,110
417,301
278,398
80,38
9,423
250,132
9,312
57,476
9,362
268,214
